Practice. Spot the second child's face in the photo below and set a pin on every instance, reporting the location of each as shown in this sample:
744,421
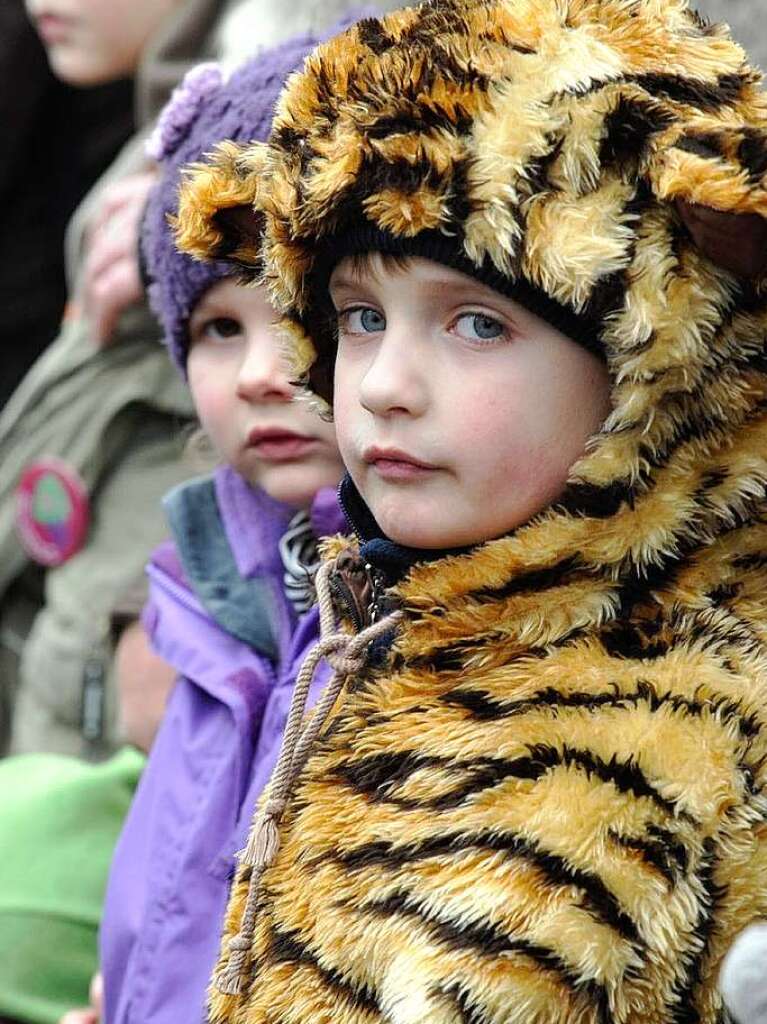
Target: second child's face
458,413
245,402
91,42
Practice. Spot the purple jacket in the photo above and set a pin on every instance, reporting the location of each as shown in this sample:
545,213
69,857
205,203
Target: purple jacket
217,612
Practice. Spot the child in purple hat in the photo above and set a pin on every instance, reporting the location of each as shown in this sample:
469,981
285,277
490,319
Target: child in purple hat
231,603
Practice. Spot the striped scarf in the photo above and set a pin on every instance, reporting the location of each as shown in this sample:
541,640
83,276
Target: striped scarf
298,551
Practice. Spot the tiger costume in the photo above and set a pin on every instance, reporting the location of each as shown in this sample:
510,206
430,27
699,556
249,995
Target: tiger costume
544,802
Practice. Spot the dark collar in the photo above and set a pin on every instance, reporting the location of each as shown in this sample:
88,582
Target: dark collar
394,561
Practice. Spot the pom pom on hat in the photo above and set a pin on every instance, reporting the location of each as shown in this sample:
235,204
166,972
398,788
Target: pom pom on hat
183,109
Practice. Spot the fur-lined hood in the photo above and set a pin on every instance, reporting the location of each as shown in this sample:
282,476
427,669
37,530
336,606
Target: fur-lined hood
609,152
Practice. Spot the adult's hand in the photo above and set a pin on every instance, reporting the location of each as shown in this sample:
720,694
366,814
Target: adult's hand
112,281
88,1014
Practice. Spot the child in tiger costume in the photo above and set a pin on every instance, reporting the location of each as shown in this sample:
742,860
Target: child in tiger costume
527,241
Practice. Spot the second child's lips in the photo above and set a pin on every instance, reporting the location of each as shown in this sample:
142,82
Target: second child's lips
273,444
52,27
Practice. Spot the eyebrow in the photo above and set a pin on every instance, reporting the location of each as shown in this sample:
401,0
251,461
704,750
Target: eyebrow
457,289
212,307
344,281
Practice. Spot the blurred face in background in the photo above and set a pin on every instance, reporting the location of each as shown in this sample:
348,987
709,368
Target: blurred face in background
246,403
92,42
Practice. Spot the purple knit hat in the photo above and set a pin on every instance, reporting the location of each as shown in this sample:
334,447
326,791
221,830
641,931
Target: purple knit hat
203,111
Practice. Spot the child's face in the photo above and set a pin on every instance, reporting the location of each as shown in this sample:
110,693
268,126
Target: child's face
91,42
245,402
458,412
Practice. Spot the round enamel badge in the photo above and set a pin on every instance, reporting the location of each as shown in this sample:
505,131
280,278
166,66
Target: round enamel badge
52,511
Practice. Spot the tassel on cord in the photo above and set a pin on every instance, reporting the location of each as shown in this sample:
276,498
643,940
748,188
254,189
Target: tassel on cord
264,839
346,655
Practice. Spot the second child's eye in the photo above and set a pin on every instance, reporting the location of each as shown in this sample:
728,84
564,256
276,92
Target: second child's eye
221,328
362,320
479,327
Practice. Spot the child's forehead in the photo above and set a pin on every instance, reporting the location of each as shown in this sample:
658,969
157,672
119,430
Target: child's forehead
410,275
382,266
365,266
233,296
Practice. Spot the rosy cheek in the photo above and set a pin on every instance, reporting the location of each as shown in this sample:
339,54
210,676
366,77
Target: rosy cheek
212,406
213,400
484,421
343,422
502,455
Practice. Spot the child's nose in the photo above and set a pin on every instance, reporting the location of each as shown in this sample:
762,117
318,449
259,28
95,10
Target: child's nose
262,377
394,379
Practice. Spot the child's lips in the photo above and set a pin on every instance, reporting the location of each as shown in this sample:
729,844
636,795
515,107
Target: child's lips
272,444
53,28
395,465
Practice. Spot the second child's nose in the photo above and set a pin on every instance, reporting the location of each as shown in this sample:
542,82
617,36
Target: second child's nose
262,376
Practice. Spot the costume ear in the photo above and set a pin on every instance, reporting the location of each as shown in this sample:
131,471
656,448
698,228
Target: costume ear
735,241
241,228
218,216
716,177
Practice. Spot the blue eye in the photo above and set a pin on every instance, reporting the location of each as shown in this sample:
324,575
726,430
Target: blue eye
479,327
363,320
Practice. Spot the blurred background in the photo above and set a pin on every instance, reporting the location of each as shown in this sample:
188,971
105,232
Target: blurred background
746,18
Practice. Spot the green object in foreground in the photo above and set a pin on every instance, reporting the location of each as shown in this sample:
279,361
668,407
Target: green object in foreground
59,822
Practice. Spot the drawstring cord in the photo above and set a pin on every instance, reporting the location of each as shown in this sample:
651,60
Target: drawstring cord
346,655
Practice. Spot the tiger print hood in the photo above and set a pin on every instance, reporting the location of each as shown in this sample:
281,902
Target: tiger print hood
608,153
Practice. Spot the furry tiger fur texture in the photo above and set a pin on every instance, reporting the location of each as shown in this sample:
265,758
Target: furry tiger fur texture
548,806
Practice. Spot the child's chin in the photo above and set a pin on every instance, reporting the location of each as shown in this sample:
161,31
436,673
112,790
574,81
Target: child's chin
433,519
413,533
419,525
292,485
